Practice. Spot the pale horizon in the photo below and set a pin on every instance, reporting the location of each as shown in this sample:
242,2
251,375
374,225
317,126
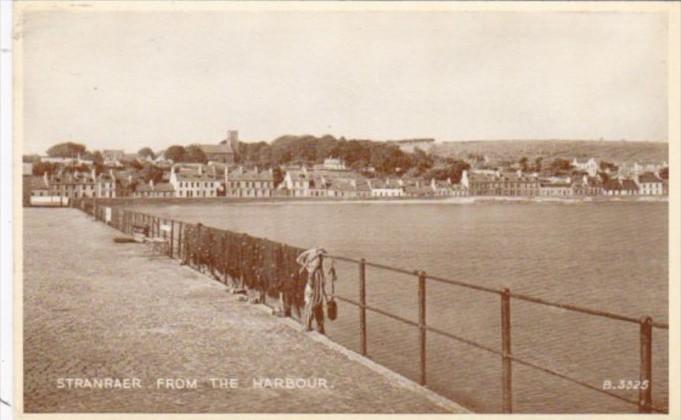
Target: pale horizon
157,79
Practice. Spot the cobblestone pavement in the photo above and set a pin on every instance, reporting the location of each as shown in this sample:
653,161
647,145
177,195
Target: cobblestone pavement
98,309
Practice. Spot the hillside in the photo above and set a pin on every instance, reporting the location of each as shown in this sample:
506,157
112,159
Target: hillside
513,150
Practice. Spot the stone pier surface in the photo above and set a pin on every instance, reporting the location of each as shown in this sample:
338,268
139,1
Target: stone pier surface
95,309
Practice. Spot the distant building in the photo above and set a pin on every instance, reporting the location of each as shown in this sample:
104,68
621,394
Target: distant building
589,166
549,189
82,185
386,188
129,157
641,167
332,164
612,186
588,186
629,187
225,153
151,190
113,155
249,183
650,184
192,181
495,183
297,182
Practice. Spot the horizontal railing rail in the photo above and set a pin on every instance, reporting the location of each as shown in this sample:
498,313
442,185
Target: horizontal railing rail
180,246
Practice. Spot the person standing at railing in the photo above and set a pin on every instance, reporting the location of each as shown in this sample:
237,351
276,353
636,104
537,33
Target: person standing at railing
312,260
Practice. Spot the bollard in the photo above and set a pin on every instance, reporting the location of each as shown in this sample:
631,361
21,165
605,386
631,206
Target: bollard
362,306
645,393
506,375
422,325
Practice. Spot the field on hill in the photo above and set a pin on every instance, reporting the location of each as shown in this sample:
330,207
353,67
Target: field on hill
513,150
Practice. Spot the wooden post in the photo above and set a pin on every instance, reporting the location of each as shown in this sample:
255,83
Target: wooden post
422,325
223,258
506,376
172,238
645,394
179,241
362,307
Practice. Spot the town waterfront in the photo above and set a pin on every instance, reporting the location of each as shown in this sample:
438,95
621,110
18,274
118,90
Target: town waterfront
609,256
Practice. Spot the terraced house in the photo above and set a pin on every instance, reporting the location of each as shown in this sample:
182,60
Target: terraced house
82,184
512,184
152,190
650,184
297,182
249,183
194,181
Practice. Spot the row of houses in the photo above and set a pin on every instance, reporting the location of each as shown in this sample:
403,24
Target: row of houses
498,183
63,186
330,180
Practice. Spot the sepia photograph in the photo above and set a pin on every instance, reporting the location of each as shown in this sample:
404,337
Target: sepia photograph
345,207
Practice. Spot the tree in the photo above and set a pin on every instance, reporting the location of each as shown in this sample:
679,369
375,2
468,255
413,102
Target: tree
607,166
151,172
40,168
523,164
145,152
664,173
68,149
537,164
194,154
175,153
559,166
135,164
278,176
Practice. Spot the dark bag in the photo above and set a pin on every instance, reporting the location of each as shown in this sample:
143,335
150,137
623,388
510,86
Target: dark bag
332,309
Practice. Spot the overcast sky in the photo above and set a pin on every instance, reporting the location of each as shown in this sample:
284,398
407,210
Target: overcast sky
133,79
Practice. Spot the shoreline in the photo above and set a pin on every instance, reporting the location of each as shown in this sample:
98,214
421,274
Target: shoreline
366,200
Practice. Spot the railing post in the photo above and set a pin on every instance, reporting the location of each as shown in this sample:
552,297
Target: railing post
179,241
362,307
172,238
506,376
422,325
645,399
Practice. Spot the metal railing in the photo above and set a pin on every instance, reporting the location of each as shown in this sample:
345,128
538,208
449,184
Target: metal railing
124,220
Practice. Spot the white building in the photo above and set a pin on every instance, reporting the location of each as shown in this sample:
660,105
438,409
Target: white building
387,188
192,181
249,183
332,164
649,184
297,182
589,166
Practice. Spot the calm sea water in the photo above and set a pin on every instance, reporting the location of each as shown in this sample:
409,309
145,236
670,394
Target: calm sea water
610,256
